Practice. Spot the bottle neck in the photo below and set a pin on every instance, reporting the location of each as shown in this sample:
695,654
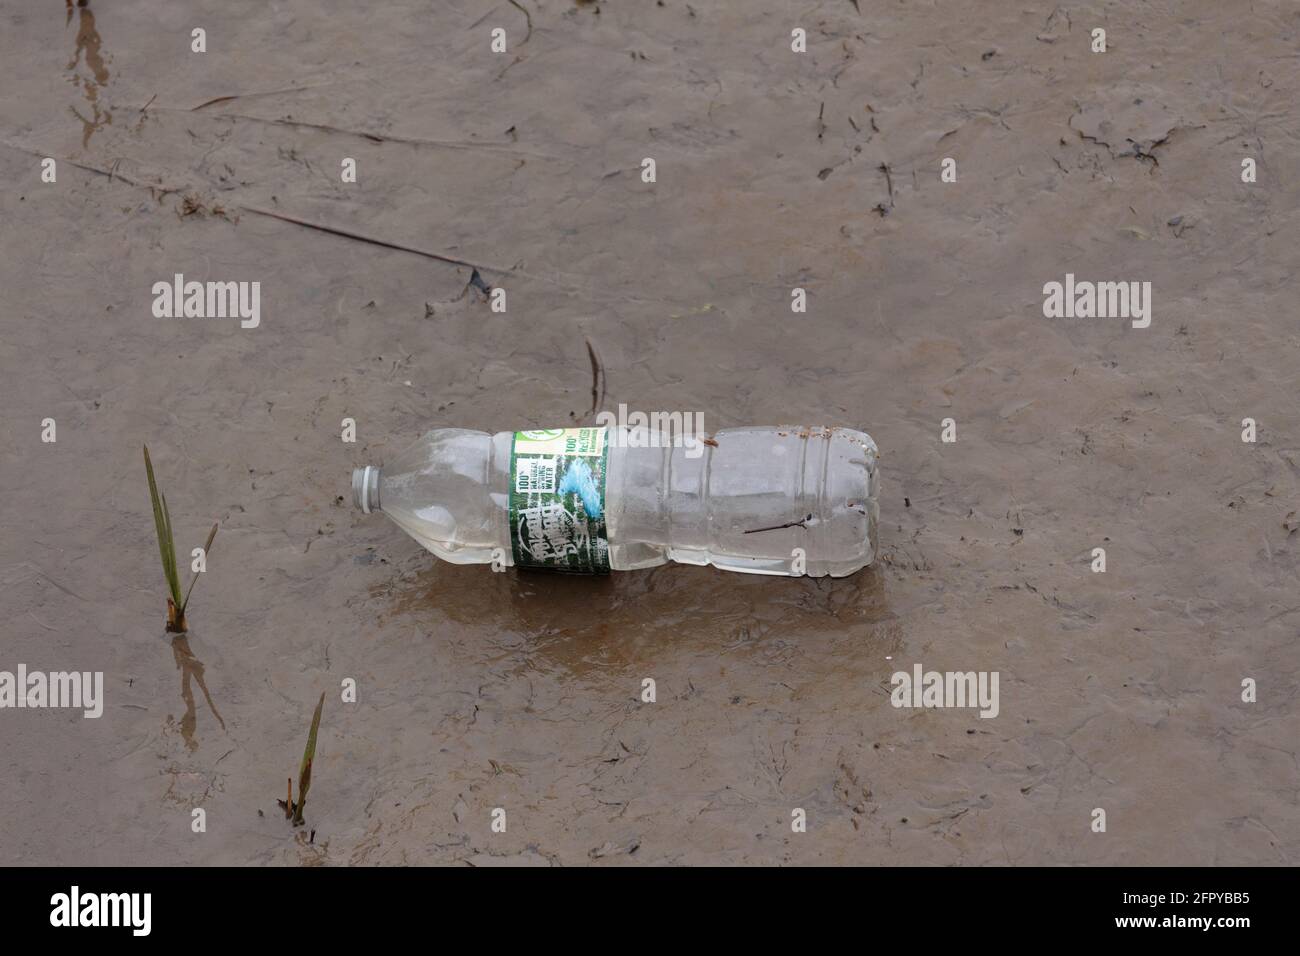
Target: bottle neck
365,488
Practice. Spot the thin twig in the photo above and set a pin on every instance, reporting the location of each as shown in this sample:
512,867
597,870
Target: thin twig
527,16
362,134
245,96
491,10
518,59
161,189
110,173
348,234
802,523
597,379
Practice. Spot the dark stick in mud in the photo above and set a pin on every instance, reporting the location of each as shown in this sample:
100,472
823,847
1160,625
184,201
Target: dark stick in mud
347,234
597,379
527,17
801,523
505,148
158,189
244,96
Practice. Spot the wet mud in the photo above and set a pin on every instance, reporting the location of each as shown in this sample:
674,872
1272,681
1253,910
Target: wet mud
775,170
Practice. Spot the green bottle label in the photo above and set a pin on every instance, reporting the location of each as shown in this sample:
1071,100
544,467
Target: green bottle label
557,500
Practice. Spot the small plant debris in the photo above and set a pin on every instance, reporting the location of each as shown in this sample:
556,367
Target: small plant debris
801,523
194,205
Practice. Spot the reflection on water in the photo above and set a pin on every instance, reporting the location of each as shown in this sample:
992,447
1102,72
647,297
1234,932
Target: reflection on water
583,624
93,76
191,669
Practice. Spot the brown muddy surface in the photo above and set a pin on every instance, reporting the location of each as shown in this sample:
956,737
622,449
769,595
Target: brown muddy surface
477,690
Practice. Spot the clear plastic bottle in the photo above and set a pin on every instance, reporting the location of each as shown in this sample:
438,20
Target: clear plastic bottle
764,500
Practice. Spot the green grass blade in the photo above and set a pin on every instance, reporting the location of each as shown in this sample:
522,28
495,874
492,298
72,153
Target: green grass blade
173,575
207,547
163,526
308,755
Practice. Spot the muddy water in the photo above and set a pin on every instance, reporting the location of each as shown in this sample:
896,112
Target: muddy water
476,690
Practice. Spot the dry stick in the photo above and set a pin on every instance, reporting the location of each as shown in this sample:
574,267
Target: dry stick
491,10
245,96
362,134
384,243
527,17
802,523
321,227
518,59
335,231
110,173
597,379
218,99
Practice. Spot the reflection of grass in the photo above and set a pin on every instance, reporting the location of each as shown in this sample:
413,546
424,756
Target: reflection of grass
291,809
162,520
191,669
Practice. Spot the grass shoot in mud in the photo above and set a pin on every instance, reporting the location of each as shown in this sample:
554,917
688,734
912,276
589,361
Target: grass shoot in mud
292,810
176,603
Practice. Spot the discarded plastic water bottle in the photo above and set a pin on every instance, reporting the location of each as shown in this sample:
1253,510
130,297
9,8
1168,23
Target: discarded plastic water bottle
780,500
